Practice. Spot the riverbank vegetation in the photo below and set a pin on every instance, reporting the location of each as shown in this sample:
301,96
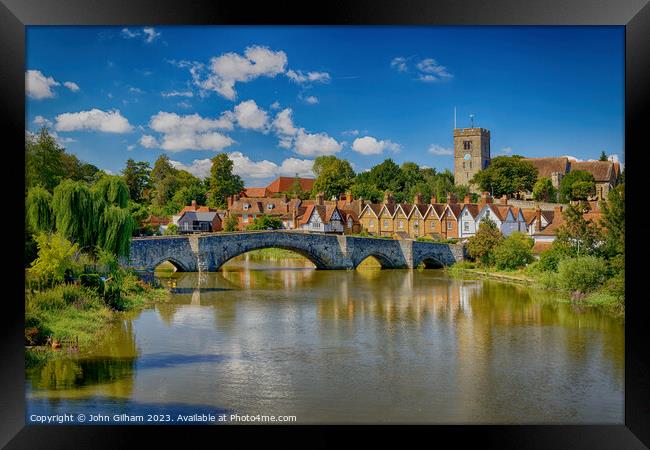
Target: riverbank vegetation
586,261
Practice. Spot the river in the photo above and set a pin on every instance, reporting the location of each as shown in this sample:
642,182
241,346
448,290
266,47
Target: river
276,337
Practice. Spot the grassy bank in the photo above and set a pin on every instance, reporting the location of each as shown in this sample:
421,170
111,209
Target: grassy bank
276,253
602,298
79,313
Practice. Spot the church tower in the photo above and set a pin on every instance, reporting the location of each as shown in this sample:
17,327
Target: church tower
471,153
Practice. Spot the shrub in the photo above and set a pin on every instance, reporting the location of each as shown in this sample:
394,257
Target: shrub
113,296
583,274
92,281
481,246
171,230
513,252
550,258
265,223
56,257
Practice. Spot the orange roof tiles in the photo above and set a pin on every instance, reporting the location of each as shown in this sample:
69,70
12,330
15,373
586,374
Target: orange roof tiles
546,166
283,184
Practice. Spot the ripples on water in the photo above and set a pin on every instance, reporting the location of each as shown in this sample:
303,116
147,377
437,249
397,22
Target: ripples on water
366,346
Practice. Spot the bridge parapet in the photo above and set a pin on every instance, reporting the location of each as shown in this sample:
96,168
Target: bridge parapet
208,252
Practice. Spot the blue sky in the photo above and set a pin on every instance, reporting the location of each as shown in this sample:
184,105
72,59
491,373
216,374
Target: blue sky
274,98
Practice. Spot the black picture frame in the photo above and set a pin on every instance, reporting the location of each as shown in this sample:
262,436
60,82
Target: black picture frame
633,14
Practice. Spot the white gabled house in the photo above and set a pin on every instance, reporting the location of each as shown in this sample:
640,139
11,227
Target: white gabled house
468,224
327,219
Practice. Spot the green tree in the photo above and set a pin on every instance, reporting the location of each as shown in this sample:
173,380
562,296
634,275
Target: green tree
115,231
603,156
574,177
514,252
39,210
543,191
43,160
506,175
56,255
334,176
77,212
613,219
113,190
136,175
481,246
223,182
77,170
231,223
265,222
387,176
164,181
578,236
582,274
171,230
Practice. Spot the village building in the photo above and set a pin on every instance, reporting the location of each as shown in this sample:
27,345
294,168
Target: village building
199,222
279,186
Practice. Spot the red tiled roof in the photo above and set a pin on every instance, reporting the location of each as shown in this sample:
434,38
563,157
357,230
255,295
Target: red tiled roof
546,166
306,214
283,184
255,192
601,170
473,209
439,209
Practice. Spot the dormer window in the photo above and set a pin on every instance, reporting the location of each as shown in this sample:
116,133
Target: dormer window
270,206
246,205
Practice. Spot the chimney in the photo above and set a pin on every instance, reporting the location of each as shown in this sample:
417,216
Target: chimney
558,209
320,198
349,197
362,204
193,204
451,198
230,201
388,197
503,200
434,200
467,199
284,198
236,197
293,216
538,217
417,199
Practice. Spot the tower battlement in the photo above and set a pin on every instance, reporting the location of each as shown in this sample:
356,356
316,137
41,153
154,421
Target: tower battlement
471,154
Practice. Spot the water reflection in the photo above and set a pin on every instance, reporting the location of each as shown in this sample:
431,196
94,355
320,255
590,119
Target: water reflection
370,346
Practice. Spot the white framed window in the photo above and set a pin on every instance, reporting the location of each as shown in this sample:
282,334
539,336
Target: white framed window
450,225
400,224
416,224
371,223
466,227
244,218
385,223
245,206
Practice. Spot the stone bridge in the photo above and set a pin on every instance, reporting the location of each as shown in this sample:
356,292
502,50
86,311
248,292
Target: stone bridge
208,252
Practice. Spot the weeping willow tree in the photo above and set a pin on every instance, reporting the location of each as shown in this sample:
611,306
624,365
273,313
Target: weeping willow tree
75,210
113,190
115,229
39,210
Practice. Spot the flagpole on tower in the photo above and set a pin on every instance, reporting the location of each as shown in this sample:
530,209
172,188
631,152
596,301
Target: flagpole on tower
454,117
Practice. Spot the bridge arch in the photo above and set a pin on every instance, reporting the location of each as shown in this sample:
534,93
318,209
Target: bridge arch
383,260
311,256
180,267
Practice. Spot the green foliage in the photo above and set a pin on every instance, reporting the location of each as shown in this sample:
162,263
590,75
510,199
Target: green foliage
582,274
44,166
163,178
603,156
543,191
76,212
107,261
184,196
367,191
551,257
77,170
39,210
136,177
116,230
387,176
92,281
223,183
506,175
56,257
584,180
514,252
482,245
578,235
264,223
171,230
613,219
113,190
334,176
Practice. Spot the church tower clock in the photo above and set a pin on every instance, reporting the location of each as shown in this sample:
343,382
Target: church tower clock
471,154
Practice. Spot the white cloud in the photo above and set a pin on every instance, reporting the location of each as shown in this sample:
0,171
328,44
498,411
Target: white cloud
94,120
251,116
191,132
439,150
316,144
275,105
351,132
42,121
247,168
38,85
184,105
399,63
283,123
148,141
177,94
311,100
227,69
431,70
74,87
506,149
150,34
309,77
130,147
369,145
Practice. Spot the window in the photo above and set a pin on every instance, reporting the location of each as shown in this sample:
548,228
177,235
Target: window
385,223
371,223
401,224
246,206
470,164
467,145
466,227
433,224
416,224
450,225
270,206
244,218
